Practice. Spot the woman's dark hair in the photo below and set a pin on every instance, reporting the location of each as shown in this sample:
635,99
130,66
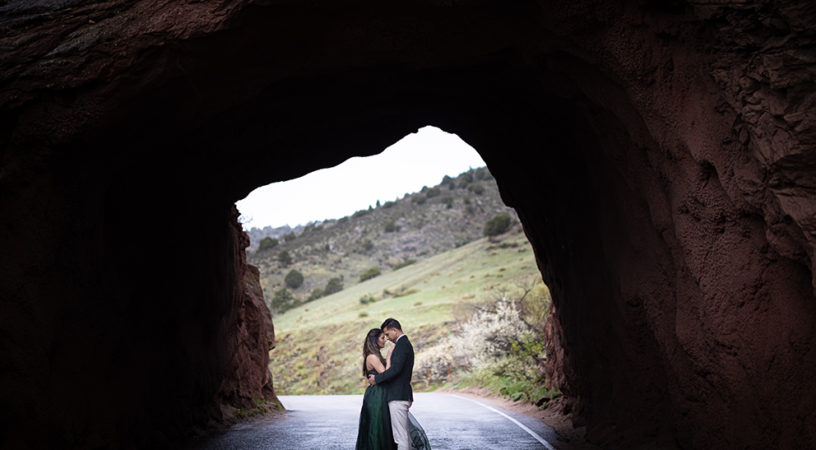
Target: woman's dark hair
370,347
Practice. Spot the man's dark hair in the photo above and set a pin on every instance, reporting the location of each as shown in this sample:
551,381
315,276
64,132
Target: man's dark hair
391,323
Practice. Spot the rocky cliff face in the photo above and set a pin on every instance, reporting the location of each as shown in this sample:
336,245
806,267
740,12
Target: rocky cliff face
247,379
659,155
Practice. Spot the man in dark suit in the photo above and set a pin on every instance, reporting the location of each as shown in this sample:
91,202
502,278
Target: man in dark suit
397,381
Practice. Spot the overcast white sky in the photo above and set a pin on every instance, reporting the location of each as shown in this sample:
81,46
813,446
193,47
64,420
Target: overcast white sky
419,159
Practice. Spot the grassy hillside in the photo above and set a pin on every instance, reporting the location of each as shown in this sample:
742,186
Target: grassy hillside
319,344
415,227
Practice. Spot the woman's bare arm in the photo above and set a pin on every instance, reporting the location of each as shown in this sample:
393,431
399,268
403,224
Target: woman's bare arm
372,362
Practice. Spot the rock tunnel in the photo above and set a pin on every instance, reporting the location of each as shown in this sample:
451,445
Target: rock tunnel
660,156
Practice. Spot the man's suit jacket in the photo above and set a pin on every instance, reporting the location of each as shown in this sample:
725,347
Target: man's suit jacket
397,379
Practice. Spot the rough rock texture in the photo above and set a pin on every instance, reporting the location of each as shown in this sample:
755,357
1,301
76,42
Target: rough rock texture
659,154
247,379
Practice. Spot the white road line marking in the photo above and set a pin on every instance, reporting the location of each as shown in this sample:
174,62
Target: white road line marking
529,431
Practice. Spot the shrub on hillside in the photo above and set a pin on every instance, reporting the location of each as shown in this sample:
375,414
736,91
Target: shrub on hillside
370,273
311,228
465,179
497,224
284,258
492,334
483,174
332,286
407,262
448,201
535,306
432,192
404,292
366,299
419,199
388,204
316,294
289,237
391,227
488,335
267,243
361,213
476,188
294,279
283,300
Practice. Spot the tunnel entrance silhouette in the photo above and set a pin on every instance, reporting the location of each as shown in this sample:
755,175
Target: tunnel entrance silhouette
421,255
657,156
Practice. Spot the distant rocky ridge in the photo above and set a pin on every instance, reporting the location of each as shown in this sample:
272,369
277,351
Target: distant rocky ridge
256,234
419,225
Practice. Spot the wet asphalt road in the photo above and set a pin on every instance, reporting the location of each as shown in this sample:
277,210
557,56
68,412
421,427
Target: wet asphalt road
330,422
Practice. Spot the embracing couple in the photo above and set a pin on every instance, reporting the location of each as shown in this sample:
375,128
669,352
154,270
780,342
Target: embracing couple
385,422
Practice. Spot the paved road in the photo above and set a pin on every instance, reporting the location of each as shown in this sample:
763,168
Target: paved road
330,422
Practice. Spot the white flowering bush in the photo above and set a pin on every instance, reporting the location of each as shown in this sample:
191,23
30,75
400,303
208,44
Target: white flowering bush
489,334
500,348
435,363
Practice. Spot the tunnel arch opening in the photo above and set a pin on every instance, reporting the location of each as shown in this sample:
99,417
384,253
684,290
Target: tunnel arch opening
422,210
580,133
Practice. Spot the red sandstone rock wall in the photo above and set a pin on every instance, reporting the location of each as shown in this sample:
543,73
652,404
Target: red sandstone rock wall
714,263
660,156
248,380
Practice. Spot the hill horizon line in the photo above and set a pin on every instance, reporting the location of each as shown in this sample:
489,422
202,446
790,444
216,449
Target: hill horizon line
285,228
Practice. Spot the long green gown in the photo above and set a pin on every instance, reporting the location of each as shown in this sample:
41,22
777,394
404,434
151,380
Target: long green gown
375,433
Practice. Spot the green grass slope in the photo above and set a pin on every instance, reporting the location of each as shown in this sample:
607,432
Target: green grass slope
319,344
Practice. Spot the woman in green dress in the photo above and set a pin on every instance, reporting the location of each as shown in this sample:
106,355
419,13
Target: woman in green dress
374,432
